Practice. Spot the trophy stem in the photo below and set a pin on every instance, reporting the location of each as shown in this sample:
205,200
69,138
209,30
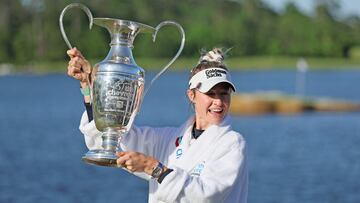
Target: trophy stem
110,140
107,155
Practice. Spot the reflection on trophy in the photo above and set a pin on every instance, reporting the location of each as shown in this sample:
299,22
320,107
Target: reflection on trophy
117,82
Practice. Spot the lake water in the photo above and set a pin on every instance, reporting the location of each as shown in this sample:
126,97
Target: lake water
312,157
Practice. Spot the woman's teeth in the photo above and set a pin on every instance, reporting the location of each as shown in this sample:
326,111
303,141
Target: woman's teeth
216,110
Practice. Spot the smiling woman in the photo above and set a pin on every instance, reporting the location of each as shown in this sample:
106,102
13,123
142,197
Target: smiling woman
203,160
210,89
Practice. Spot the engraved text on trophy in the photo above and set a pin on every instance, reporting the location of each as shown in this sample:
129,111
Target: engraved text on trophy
116,100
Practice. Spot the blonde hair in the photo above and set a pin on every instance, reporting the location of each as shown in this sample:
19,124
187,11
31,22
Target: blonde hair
211,59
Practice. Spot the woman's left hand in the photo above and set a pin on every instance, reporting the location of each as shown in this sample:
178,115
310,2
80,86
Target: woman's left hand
136,162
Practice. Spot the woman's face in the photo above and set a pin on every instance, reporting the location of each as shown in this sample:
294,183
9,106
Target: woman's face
211,107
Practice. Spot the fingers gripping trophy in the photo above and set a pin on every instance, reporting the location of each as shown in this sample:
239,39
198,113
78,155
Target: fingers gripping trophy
117,82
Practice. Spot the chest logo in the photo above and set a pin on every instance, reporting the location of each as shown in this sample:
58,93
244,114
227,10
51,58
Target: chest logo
179,151
178,141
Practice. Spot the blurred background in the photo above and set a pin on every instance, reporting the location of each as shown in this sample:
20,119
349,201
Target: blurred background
295,47
267,33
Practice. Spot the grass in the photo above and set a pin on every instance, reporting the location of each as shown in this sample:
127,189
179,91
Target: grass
240,63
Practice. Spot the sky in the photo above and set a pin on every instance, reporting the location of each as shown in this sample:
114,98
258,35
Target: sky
347,7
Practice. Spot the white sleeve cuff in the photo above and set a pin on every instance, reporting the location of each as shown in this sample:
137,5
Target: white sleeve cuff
92,136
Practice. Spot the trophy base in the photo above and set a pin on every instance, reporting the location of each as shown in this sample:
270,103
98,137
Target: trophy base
101,158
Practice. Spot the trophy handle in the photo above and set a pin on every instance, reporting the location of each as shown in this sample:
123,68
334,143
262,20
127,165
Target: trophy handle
168,22
88,12
73,5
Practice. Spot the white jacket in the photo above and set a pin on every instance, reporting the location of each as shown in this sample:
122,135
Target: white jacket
212,168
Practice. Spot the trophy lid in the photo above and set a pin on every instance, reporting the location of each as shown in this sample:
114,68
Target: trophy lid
123,26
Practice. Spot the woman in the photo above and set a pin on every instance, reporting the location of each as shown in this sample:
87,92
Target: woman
203,160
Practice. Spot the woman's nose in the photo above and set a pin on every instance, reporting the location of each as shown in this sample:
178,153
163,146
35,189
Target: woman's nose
218,99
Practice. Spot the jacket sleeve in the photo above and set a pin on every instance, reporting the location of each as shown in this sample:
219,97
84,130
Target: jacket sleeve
91,135
150,141
147,140
220,176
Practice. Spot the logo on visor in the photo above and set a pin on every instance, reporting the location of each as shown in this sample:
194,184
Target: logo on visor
214,73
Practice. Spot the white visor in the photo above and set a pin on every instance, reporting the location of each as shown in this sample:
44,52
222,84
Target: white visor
208,78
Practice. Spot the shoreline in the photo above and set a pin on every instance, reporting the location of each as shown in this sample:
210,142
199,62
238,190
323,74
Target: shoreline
183,64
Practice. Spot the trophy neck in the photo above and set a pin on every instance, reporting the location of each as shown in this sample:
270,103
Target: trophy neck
120,53
123,32
123,39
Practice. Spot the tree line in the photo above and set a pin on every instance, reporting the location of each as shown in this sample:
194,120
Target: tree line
29,29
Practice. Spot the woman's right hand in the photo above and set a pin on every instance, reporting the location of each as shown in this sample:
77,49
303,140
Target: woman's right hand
79,68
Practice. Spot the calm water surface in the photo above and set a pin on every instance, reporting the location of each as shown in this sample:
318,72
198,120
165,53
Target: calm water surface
312,157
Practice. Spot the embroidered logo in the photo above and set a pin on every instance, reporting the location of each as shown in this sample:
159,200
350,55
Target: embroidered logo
178,141
214,73
179,151
198,169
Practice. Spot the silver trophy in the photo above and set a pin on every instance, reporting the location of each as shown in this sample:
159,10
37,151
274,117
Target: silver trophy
117,87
